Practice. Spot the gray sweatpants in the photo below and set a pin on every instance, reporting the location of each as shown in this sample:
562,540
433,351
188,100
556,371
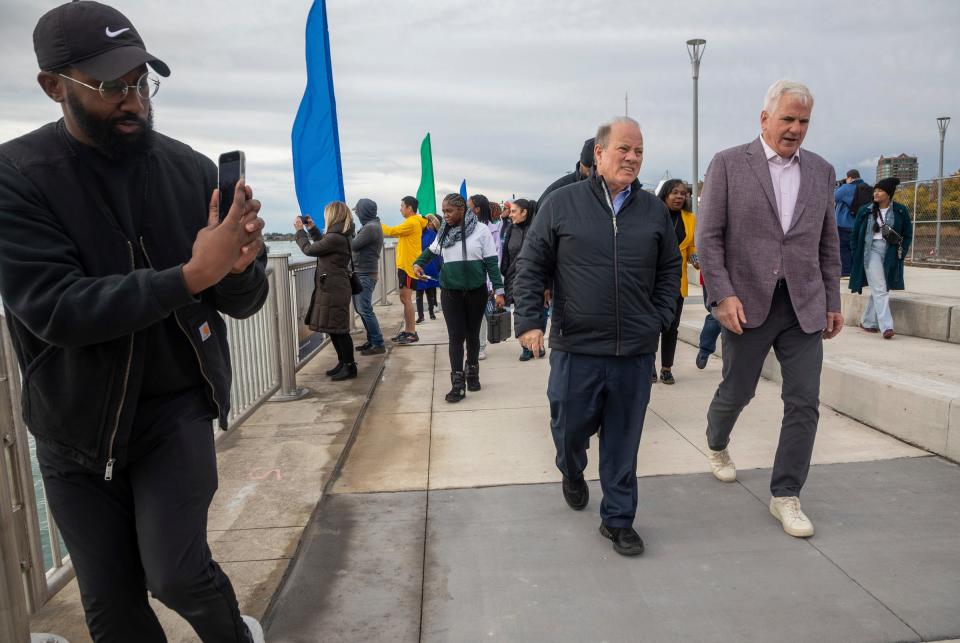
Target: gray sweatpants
801,357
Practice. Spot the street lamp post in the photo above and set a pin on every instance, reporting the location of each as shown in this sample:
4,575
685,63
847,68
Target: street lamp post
942,123
695,48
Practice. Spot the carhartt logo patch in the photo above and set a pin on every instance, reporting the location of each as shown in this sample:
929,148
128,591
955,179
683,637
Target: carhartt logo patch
205,331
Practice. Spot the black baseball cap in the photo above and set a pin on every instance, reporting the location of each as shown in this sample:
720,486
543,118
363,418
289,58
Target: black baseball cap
92,37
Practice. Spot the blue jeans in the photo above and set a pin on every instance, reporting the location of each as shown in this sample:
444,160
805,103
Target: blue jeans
711,329
877,313
364,305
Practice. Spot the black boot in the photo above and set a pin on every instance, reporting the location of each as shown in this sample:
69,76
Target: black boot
473,377
335,369
457,391
347,372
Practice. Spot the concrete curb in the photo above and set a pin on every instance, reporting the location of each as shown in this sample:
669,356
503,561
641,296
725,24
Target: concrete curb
926,316
917,410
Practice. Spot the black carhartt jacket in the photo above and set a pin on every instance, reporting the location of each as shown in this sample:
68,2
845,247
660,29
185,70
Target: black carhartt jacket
615,279
80,296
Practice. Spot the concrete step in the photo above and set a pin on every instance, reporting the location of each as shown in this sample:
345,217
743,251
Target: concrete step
908,387
917,315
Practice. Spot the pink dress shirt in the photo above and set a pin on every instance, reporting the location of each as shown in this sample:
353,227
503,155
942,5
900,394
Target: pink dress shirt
785,174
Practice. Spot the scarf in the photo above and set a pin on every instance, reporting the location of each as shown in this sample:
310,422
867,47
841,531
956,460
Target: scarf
453,235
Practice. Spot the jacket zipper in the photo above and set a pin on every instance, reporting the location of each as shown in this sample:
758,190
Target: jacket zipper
616,261
176,317
108,473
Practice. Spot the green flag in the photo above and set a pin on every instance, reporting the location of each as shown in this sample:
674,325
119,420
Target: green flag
426,193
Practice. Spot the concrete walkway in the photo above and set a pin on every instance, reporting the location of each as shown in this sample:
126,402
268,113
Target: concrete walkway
447,523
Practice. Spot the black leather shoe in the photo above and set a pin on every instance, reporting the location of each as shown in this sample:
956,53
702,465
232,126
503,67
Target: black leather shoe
576,493
333,371
346,372
362,347
374,350
702,358
626,540
653,377
419,320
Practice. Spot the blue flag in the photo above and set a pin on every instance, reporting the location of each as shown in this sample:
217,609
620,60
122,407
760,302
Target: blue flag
463,189
317,173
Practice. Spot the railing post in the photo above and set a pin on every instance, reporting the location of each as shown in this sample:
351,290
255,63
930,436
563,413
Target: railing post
383,276
913,244
14,621
281,306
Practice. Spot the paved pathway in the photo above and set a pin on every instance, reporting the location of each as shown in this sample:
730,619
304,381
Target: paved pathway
447,524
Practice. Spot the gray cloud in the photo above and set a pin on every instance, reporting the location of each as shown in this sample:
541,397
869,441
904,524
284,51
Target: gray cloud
509,91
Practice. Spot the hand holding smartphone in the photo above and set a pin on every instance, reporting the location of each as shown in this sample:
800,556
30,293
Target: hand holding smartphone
231,169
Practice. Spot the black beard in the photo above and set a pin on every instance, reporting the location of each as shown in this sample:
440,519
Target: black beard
104,136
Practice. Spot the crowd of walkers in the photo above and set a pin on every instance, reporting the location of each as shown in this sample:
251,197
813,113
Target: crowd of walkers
115,305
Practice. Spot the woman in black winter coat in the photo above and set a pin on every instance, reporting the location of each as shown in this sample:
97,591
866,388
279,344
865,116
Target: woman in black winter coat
521,213
329,310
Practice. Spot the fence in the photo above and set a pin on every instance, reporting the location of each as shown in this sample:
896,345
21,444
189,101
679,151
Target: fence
936,240
265,357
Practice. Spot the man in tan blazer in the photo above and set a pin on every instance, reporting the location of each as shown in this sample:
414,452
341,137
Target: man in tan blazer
767,237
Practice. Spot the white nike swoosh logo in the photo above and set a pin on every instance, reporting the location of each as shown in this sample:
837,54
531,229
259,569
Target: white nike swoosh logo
114,34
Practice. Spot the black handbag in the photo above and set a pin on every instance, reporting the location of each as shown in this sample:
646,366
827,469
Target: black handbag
498,326
355,286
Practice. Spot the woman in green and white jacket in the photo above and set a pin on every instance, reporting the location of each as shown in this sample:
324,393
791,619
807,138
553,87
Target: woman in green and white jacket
469,257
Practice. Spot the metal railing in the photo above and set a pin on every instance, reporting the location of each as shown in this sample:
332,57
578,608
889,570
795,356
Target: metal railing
264,357
936,220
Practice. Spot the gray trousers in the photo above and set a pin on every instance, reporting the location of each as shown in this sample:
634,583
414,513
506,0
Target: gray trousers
801,357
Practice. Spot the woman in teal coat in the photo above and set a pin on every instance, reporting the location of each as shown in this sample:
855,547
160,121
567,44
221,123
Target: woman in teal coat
878,254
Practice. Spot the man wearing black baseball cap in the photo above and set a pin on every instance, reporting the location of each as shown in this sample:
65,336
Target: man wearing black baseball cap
580,171
114,272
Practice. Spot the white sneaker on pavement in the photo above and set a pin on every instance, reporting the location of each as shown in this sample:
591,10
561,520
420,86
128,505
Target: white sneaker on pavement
256,630
721,465
787,511
483,354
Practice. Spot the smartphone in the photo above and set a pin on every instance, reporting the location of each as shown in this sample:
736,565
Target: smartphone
232,168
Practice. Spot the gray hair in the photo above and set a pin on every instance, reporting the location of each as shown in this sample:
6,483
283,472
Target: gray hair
603,132
783,87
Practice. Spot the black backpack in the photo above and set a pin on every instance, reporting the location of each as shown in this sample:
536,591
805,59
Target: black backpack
861,197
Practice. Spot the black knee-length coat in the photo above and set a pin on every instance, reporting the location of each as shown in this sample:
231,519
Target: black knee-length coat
329,310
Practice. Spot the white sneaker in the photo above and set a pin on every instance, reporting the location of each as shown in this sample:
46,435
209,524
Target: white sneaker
483,354
256,630
721,465
46,638
787,511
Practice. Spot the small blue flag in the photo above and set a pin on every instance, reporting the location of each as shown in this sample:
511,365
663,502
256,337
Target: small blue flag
463,189
317,171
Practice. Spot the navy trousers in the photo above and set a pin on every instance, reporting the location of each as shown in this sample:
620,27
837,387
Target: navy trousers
588,394
846,254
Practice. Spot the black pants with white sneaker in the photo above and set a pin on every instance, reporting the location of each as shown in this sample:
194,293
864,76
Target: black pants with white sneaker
146,529
591,393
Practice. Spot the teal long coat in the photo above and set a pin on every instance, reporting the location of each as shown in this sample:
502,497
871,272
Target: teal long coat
892,266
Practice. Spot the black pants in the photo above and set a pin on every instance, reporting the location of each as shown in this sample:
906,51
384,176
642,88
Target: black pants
668,341
801,357
146,529
431,300
591,393
343,344
463,312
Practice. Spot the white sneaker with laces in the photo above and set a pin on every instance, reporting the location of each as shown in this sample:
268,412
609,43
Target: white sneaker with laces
482,355
787,511
721,465
256,630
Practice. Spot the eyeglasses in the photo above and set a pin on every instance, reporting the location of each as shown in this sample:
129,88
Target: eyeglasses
115,91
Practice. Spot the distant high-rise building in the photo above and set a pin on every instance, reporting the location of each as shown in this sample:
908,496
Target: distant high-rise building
903,167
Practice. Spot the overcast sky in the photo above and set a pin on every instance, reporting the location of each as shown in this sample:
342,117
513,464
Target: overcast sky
509,90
